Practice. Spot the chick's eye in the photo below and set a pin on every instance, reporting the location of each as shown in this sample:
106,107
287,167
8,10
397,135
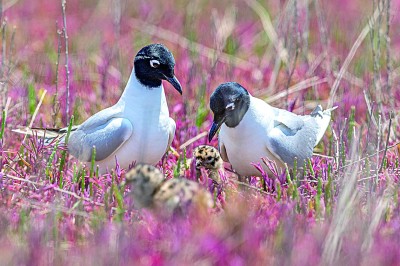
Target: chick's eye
154,63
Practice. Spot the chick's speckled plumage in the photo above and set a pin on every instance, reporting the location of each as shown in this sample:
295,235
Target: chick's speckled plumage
146,180
152,190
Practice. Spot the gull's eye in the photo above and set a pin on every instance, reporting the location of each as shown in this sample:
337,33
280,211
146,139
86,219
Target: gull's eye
230,107
154,63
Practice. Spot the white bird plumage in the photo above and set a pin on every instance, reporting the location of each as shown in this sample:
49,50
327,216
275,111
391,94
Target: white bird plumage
137,128
266,131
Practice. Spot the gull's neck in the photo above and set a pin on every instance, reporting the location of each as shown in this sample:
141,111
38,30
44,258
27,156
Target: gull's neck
136,94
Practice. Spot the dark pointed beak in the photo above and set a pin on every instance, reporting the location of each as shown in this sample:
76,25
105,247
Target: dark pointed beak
214,128
175,82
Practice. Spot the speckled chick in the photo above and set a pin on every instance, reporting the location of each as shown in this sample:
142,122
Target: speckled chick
208,157
152,190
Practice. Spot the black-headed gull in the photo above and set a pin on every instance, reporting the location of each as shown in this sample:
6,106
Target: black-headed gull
251,129
138,127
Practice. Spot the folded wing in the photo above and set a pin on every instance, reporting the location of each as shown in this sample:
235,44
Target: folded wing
107,138
171,135
106,131
291,137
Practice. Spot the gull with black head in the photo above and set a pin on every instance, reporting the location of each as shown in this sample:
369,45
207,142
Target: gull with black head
138,127
251,129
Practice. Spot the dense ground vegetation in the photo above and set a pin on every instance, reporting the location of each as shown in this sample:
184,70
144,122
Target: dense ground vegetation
342,207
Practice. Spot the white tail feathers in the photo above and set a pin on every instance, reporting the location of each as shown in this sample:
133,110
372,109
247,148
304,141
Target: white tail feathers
322,118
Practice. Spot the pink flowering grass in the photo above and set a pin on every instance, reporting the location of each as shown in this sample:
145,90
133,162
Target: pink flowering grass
341,207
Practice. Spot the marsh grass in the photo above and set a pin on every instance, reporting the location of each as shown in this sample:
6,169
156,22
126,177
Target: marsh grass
340,207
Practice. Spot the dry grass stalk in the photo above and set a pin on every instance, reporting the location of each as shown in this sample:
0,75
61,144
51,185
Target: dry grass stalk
56,102
269,29
63,5
302,85
348,199
350,56
185,43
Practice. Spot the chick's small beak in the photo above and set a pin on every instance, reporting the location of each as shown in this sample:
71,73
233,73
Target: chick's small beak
175,82
198,164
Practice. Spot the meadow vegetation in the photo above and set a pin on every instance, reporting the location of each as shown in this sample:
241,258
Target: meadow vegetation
65,60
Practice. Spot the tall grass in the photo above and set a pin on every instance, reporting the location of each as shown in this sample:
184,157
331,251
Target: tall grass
340,207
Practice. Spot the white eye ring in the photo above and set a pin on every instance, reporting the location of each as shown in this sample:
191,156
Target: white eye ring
154,63
230,106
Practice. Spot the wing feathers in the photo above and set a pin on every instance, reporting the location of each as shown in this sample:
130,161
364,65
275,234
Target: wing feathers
107,138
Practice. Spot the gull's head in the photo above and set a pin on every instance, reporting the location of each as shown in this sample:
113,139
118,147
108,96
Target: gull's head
145,180
229,103
154,63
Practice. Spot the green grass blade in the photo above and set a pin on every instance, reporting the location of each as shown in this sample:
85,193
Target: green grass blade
328,196
278,191
64,152
31,99
120,200
177,169
75,174
352,124
50,161
83,179
3,124
318,198
310,167
92,171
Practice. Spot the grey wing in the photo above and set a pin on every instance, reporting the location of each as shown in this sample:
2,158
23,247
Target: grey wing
101,118
288,120
107,137
171,135
291,137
